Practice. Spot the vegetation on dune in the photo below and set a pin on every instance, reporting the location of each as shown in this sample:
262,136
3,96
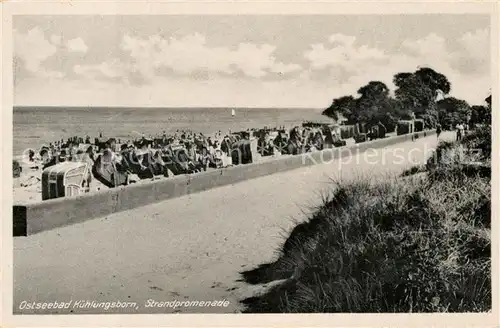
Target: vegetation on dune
418,243
413,244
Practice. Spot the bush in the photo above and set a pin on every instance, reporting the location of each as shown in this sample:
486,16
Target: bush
414,170
16,169
430,121
480,141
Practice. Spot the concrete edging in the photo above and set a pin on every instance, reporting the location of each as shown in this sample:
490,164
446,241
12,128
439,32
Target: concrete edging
29,219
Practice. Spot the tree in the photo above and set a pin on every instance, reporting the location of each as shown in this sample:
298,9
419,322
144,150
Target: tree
417,91
374,90
430,118
368,104
480,115
452,111
374,105
434,80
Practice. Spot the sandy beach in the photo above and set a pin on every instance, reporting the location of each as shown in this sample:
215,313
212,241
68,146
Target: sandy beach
27,188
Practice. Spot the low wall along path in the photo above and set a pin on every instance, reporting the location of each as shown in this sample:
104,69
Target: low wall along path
29,219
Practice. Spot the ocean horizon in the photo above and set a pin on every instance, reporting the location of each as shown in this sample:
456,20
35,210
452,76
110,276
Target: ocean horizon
34,126
29,107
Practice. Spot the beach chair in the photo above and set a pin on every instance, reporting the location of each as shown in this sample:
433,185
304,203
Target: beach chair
242,152
177,161
108,174
419,125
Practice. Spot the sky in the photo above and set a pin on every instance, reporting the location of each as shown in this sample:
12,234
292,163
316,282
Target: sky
239,61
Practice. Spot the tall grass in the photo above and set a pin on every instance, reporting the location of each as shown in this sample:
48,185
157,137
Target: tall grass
405,245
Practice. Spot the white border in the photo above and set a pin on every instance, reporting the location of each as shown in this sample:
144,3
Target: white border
69,7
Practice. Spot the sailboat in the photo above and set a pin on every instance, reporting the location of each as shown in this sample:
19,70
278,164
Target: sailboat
233,112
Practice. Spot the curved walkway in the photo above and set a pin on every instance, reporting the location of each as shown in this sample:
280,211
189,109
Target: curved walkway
189,248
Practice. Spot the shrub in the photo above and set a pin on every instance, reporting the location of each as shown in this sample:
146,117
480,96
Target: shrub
430,120
479,140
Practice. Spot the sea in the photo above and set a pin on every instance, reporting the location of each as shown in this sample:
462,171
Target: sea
37,126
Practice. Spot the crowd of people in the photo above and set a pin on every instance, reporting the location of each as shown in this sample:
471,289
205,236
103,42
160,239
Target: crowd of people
460,129
113,161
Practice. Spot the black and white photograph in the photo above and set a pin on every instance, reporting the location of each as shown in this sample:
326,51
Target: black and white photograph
169,163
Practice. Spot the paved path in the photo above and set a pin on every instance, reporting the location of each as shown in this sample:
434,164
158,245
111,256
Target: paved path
189,248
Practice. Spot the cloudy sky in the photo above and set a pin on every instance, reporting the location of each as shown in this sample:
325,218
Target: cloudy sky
244,61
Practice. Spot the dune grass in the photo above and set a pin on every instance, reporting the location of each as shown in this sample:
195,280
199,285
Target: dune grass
403,245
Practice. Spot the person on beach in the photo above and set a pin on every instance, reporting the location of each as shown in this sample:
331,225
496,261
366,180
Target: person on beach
226,146
31,155
204,158
191,152
45,156
211,148
318,140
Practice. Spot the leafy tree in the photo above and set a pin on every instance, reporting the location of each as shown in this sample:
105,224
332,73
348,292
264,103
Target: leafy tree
374,90
373,105
410,91
417,91
434,80
372,98
452,111
430,118
343,105
480,115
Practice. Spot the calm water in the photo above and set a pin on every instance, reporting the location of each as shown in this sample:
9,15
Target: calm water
34,126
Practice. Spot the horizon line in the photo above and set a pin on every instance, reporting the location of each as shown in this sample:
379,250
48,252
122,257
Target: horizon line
165,107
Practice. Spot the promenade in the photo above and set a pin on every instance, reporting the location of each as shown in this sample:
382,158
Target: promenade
189,248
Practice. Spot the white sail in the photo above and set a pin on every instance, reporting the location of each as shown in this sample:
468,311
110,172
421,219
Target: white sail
233,112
